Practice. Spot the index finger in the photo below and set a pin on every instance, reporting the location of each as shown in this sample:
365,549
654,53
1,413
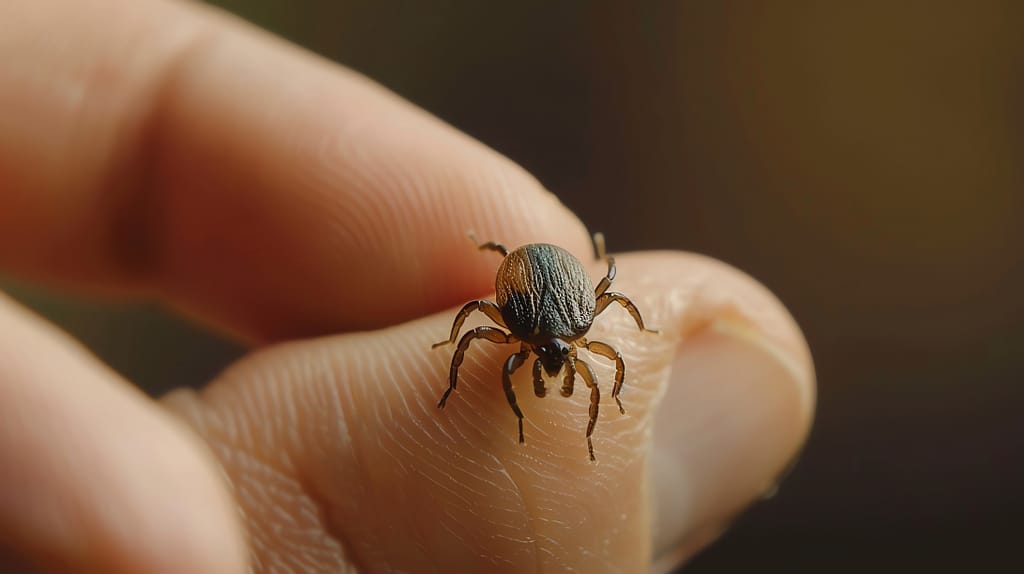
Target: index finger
168,149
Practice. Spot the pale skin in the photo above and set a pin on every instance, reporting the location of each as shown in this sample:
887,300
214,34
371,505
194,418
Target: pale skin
166,151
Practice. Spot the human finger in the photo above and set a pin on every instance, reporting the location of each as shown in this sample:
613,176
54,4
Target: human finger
94,476
358,465
167,149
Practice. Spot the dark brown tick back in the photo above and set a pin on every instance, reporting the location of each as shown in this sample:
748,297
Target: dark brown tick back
547,302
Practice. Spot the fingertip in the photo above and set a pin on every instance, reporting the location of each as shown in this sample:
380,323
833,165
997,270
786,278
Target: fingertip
352,205
738,400
731,421
259,187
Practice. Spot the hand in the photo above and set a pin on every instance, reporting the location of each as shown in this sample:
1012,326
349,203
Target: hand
165,150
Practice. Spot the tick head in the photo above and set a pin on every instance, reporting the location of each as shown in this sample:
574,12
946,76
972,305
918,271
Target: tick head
552,355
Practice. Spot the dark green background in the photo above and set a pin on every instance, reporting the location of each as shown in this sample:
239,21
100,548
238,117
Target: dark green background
862,159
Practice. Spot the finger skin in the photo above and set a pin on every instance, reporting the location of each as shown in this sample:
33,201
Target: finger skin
95,477
166,149
361,468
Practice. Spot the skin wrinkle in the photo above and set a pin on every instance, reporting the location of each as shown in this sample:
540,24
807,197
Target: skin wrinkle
243,464
265,407
519,493
518,475
261,435
288,404
334,379
281,471
498,176
486,519
390,439
426,193
134,216
344,227
470,489
98,88
455,493
417,412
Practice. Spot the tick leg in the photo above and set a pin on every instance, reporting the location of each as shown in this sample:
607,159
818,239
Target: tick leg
606,281
538,379
595,401
606,299
491,334
569,381
488,307
489,246
514,362
606,350
599,245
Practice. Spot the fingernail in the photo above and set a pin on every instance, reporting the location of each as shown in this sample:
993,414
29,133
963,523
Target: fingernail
735,412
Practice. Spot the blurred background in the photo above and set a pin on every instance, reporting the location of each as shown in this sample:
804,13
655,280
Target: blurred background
862,159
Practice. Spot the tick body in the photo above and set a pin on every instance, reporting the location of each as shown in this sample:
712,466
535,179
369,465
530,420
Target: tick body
547,303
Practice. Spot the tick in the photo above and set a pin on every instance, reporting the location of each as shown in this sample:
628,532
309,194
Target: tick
547,302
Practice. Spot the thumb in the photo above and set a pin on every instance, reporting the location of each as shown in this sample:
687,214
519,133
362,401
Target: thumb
340,456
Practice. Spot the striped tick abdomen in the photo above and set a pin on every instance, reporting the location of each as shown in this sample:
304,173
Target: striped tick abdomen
544,293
